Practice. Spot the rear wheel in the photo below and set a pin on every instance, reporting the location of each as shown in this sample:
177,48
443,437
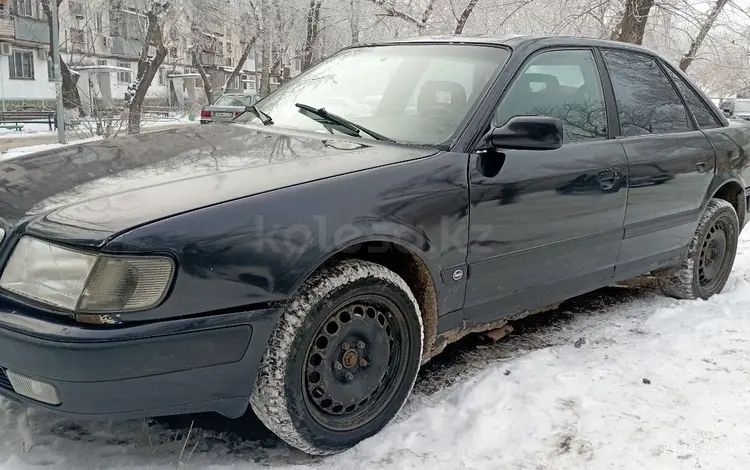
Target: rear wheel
342,360
708,262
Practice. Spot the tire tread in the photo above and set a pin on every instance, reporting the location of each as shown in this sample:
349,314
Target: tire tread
268,398
680,283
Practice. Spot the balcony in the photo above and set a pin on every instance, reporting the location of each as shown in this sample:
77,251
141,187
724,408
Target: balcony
31,29
7,30
126,47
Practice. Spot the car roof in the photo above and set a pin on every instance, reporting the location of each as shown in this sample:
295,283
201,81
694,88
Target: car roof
513,41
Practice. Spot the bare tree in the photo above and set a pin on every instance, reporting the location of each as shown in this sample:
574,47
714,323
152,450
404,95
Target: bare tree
147,66
461,20
207,88
632,24
419,22
312,30
355,20
689,56
71,98
248,19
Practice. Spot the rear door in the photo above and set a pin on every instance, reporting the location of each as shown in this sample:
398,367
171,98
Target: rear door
670,162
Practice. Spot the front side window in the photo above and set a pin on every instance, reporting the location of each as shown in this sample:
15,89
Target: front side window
564,84
647,103
21,65
409,93
695,104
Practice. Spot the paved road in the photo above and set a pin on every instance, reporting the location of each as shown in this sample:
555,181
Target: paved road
8,143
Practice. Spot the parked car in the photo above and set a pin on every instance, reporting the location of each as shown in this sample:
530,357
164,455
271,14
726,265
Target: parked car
227,107
737,108
309,263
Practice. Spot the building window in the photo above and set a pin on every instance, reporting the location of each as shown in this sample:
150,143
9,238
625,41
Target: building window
123,76
50,70
76,8
162,76
101,61
21,65
77,36
229,47
99,23
114,22
24,8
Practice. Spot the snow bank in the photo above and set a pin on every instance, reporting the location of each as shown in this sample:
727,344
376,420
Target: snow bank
657,383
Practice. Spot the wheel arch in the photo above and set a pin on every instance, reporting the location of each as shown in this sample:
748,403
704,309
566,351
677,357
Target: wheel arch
733,192
401,257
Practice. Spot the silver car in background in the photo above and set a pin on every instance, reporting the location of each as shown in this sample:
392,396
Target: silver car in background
227,107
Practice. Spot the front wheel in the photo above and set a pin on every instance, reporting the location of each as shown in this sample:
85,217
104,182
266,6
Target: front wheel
342,359
708,262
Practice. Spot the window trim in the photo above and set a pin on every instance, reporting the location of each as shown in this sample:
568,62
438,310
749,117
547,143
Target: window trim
495,102
692,127
719,122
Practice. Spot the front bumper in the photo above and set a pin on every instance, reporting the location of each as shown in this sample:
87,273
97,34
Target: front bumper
179,366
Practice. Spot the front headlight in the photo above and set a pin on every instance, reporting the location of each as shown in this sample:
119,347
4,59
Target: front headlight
84,282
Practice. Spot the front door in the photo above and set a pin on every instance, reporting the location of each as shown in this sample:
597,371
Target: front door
547,225
671,163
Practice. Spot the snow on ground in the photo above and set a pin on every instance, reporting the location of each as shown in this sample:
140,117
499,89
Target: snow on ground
633,380
28,128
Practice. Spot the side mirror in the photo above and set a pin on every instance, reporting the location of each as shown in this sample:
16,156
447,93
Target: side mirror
527,133
727,112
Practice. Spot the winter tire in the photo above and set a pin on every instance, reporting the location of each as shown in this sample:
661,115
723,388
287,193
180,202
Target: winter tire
342,359
708,262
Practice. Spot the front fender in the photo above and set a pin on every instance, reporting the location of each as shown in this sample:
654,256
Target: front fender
259,249
406,238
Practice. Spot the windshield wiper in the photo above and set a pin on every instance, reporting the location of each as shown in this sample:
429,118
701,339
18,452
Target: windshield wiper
264,118
343,122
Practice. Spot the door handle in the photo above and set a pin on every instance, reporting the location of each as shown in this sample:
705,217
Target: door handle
701,166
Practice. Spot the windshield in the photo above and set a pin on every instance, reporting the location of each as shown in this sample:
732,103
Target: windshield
235,100
409,93
742,106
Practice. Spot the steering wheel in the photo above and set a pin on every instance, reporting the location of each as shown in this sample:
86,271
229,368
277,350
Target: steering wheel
442,111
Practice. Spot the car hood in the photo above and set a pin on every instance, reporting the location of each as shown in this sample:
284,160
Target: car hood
89,192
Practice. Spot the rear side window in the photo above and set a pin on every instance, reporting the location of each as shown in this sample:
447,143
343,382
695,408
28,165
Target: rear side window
647,103
695,104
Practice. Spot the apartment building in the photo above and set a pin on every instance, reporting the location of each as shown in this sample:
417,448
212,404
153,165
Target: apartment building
101,40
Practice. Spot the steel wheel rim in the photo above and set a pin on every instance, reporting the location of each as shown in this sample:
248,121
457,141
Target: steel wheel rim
341,392
713,255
